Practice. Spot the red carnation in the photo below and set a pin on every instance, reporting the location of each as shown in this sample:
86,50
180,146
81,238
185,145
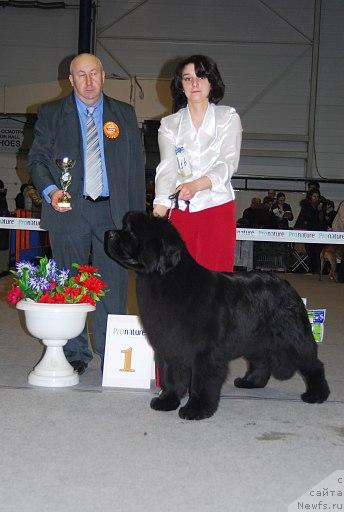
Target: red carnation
77,279
94,284
87,268
72,291
14,295
86,299
58,298
45,298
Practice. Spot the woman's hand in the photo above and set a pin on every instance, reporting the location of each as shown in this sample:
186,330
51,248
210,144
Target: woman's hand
189,189
160,210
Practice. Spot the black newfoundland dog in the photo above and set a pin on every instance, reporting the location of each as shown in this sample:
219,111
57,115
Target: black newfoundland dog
197,320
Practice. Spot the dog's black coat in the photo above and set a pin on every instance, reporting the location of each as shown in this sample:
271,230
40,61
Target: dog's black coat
198,320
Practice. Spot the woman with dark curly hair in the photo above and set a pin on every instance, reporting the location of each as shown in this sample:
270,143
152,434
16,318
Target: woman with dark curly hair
199,150
311,218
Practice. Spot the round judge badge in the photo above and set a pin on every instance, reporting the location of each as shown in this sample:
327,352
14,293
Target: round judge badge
111,130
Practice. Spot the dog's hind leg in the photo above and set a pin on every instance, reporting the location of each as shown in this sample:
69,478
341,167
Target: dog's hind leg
257,375
175,381
206,383
317,389
333,271
322,264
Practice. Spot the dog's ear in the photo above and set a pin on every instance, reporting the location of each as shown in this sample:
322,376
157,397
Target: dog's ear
170,256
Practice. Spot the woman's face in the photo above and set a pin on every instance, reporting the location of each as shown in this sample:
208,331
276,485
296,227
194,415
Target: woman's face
315,198
196,89
280,200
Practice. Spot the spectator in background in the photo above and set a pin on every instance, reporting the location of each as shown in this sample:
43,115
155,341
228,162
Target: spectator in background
282,211
257,216
269,199
314,185
150,192
249,214
3,201
312,218
19,199
330,212
4,233
338,221
32,199
338,225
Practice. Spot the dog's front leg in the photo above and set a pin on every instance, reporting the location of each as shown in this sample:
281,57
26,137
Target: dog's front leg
206,383
175,380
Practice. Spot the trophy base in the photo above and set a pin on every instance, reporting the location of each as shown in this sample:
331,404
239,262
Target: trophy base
63,205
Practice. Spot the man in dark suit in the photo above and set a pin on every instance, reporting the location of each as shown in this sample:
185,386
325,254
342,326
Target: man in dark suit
77,231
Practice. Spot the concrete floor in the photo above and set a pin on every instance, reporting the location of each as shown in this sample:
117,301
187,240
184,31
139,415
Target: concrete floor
87,449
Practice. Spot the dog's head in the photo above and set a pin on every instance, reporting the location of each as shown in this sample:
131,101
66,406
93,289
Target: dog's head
145,244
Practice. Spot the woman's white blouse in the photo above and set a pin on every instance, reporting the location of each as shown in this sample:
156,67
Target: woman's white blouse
213,151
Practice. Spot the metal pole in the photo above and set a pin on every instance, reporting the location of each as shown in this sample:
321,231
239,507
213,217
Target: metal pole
313,87
85,19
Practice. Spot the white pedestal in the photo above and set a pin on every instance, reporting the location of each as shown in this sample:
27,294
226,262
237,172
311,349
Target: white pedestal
53,370
54,324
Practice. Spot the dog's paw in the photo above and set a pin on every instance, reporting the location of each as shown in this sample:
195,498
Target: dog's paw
243,383
250,384
197,409
314,398
165,402
192,413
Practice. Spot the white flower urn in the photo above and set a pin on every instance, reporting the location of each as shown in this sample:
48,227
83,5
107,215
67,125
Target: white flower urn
54,324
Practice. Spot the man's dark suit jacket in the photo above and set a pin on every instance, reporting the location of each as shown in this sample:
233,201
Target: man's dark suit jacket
58,134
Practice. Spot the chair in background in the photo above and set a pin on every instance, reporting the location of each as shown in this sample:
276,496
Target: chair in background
299,258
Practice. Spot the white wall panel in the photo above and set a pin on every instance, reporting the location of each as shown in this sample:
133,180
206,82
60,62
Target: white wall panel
263,49
33,42
329,133
207,20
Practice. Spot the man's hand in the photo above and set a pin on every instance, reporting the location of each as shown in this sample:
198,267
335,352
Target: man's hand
56,196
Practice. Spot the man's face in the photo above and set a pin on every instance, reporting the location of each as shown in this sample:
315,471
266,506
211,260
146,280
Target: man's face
87,78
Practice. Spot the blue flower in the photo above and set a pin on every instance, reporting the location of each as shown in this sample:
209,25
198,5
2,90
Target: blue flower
21,265
38,283
62,277
51,269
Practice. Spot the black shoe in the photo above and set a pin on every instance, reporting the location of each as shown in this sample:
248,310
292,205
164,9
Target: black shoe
79,366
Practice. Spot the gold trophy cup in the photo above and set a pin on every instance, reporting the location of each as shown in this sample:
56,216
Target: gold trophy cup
65,164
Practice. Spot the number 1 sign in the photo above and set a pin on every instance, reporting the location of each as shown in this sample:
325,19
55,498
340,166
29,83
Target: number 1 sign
129,359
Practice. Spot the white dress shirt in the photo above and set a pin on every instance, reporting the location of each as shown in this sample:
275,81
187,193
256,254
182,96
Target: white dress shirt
213,151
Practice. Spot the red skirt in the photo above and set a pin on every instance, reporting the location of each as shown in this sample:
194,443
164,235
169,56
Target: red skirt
209,235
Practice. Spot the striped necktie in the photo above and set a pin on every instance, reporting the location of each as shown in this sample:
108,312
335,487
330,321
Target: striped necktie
94,185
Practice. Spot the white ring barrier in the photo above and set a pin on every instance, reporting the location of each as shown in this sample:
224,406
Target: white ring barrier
255,235
290,235
20,223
